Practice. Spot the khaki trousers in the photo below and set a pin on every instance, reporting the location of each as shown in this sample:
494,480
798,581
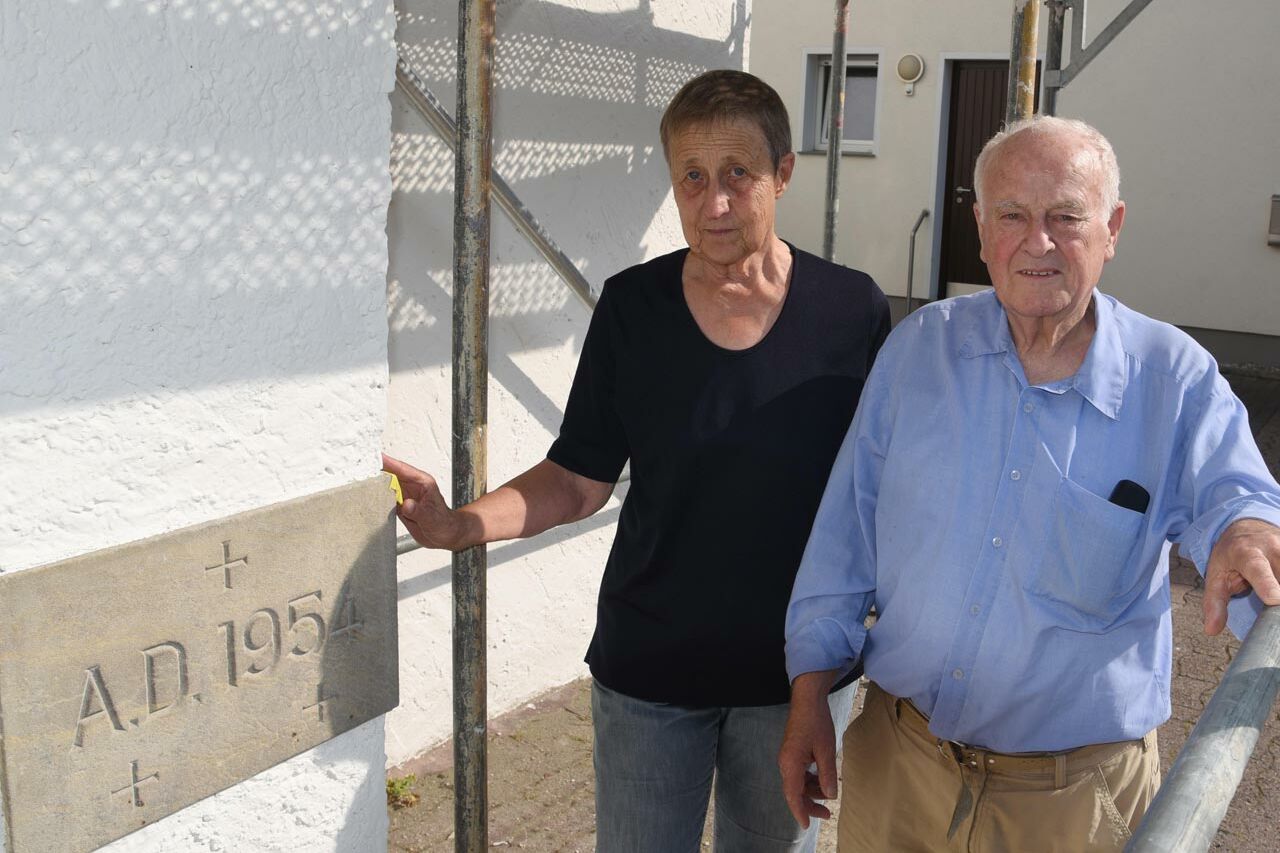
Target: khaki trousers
903,790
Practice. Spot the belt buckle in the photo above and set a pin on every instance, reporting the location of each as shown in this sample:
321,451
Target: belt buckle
957,752
951,749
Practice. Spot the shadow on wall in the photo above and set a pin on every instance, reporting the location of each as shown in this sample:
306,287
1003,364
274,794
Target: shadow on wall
578,95
363,674
155,206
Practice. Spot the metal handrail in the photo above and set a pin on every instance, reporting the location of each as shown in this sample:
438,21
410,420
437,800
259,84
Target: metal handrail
911,255
1193,800
443,124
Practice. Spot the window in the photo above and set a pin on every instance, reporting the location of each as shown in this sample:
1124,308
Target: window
860,86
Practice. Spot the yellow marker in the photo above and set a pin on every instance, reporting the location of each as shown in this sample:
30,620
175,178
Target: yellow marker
395,487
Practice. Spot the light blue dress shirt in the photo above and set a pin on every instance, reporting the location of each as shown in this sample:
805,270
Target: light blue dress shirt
1016,606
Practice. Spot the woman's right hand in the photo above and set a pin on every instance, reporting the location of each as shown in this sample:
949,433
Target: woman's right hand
424,512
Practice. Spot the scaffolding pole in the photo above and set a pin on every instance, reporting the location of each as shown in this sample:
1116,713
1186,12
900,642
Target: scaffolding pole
470,413
835,129
1053,52
1021,102
1055,76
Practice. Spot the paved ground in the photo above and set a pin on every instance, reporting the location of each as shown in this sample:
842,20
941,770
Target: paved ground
540,789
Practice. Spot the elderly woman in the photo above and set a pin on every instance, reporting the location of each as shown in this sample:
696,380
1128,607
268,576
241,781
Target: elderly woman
727,373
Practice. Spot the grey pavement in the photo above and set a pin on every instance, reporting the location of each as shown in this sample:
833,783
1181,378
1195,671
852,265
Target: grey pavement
540,756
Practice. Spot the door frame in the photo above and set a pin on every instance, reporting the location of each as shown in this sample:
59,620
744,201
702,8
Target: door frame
947,60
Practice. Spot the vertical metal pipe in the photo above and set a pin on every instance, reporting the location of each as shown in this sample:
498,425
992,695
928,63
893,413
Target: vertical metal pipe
470,413
835,129
1021,102
1053,54
1078,20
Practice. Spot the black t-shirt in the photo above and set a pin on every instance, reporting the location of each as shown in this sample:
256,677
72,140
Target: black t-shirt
730,452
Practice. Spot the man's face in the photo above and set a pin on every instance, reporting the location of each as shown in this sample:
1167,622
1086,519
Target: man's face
1044,232
726,189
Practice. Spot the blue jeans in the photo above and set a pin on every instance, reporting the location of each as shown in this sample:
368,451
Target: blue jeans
654,769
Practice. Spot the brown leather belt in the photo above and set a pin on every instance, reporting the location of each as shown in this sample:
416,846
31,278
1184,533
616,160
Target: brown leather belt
1055,764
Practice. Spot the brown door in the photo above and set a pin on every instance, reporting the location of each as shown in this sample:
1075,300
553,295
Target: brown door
977,102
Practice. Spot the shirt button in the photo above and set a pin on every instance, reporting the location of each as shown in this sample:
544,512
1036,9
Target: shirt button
1028,407
997,541
1015,475
957,674
975,610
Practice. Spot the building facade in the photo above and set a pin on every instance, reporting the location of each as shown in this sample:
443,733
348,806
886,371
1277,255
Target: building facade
1182,93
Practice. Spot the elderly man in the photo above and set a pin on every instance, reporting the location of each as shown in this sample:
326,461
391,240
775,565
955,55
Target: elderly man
1018,462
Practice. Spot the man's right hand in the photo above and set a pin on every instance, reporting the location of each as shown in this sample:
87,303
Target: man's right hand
424,512
810,738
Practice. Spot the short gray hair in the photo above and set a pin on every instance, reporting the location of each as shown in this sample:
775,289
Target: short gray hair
1054,126
726,95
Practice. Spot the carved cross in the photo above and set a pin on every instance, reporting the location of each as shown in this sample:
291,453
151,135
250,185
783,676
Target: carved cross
322,701
133,787
228,564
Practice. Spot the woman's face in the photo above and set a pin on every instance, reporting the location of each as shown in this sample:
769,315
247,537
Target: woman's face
726,189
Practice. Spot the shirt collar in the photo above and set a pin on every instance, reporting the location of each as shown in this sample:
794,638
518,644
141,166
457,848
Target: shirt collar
984,329
1105,373
1101,379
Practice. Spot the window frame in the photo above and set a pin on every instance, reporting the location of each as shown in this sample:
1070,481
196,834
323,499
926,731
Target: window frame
817,61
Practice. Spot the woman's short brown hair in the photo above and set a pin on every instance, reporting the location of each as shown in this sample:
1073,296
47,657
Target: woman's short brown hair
724,95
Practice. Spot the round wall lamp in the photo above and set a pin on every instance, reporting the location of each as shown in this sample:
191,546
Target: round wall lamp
910,69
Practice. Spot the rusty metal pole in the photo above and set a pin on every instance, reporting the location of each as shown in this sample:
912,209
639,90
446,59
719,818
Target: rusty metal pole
1053,54
835,129
1021,102
470,414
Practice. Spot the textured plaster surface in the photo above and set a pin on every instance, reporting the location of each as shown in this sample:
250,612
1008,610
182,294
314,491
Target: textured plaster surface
579,89
192,319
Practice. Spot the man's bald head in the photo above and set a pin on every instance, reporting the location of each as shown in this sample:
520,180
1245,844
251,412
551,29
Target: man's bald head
1072,135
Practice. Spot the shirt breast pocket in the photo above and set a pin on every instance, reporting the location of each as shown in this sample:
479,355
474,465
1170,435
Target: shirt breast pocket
1087,576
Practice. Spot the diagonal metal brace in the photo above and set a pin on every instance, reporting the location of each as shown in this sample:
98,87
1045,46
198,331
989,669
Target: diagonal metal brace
1081,56
443,124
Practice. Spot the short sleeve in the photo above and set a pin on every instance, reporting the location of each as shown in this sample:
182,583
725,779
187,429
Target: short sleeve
880,325
592,442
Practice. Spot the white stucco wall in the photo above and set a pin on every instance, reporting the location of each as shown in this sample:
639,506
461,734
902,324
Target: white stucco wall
1186,94
193,201
1189,95
580,87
